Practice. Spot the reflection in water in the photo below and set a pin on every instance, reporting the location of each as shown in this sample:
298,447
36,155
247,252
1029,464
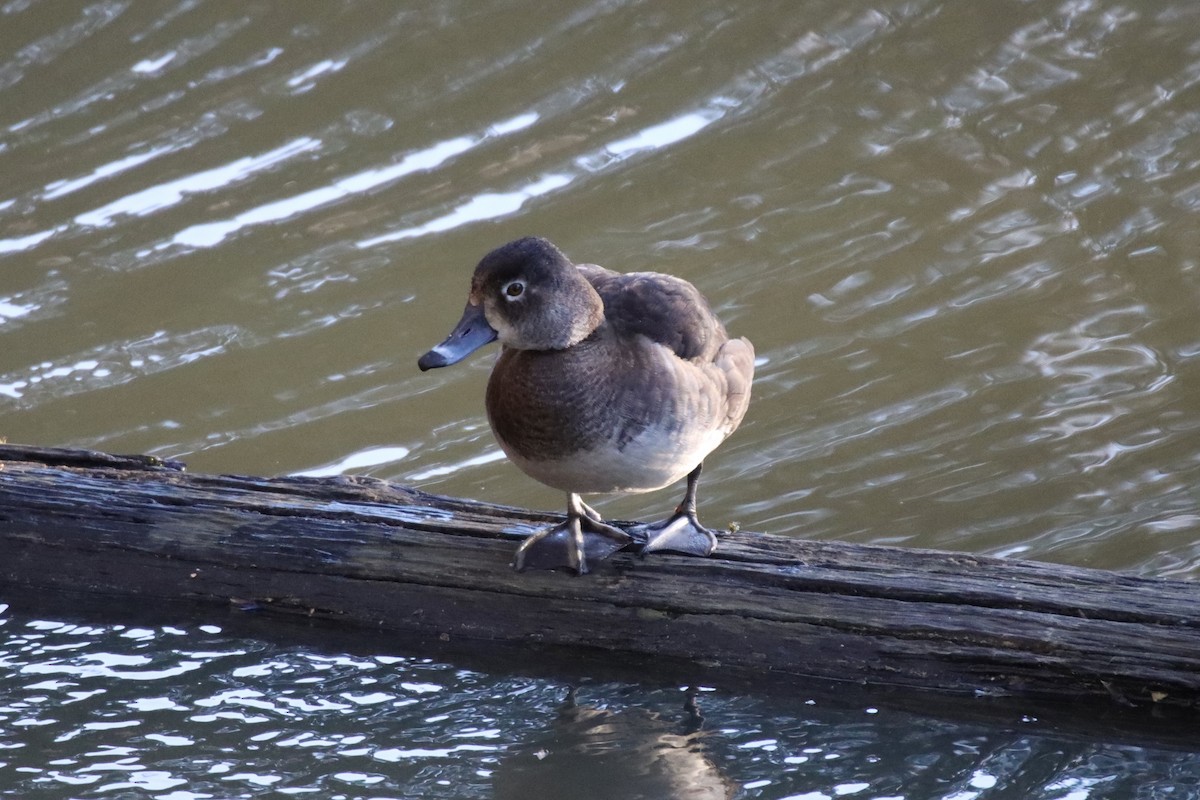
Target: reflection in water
370,457
596,754
479,208
163,196
116,363
961,235
187,711
963,241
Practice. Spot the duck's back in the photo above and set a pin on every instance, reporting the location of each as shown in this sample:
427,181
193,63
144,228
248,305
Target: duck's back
672,312
663,308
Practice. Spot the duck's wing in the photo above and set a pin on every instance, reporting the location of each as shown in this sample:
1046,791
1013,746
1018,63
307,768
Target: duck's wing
663,308
673,313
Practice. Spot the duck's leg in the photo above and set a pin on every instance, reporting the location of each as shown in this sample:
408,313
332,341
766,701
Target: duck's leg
572,543
682,532
590,512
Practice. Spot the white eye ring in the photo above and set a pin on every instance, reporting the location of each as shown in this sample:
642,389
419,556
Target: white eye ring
513,289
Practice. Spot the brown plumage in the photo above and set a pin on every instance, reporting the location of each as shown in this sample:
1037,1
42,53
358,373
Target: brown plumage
607,382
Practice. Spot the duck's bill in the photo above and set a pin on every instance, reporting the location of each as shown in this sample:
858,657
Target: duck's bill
471,333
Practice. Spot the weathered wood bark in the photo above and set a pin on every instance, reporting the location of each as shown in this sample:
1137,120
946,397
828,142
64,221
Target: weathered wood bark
375,554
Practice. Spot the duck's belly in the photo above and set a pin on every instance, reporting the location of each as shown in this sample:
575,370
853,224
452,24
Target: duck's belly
650,461
604,419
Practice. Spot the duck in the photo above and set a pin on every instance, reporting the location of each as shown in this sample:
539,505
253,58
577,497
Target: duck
606,382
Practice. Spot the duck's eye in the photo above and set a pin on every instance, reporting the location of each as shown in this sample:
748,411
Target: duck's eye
514,289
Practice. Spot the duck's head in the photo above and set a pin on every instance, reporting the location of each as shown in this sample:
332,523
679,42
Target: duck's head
528,295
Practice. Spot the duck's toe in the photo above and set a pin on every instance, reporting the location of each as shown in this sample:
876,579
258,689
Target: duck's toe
681,533
565,547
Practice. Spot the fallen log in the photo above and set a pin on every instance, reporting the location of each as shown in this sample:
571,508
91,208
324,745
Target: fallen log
369,553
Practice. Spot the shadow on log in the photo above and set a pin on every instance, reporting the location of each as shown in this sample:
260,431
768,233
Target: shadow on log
767,608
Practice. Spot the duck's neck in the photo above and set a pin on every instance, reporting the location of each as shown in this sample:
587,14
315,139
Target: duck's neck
586,315
577,313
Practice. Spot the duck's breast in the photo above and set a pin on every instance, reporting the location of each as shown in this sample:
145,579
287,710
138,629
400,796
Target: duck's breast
607,415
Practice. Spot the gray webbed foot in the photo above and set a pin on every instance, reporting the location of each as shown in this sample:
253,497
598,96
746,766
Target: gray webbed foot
682,531
572,544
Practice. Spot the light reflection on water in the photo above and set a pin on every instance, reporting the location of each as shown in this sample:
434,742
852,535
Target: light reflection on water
181,712
963,250
961,237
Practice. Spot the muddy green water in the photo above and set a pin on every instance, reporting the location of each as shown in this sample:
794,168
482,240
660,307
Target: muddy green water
962,236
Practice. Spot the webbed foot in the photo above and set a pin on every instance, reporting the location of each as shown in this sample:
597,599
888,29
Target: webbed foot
682,531
572,544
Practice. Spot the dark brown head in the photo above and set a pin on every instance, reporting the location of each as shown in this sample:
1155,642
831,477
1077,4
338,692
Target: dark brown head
528,295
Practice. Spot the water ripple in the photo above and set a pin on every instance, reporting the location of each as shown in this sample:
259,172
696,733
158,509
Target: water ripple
961,244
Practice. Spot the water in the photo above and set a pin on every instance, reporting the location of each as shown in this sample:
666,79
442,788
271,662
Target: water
961,237
181,712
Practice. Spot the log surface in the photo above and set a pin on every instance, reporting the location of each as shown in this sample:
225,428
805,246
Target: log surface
369,553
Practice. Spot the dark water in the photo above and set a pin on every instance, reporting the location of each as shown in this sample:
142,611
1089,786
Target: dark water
190,711
962,237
